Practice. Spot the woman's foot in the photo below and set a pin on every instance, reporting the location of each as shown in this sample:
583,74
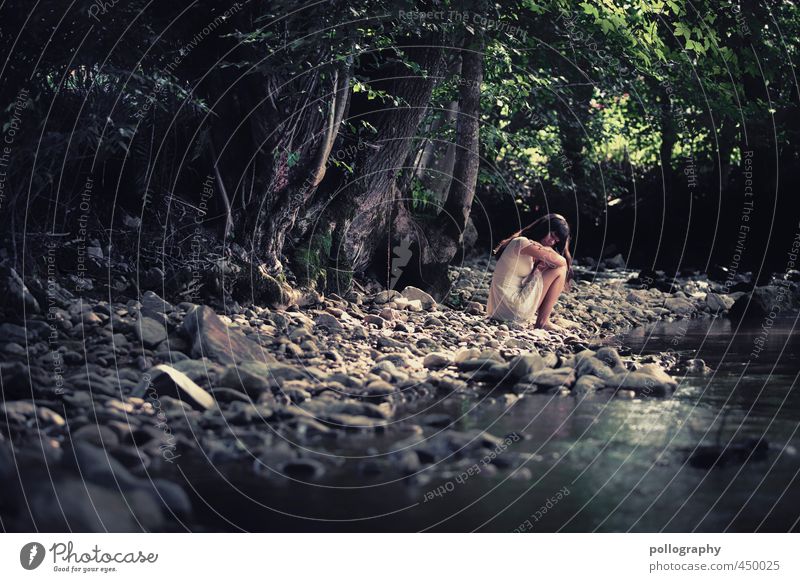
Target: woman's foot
552,327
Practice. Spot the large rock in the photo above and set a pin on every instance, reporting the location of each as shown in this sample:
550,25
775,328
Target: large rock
761,302
211,338
649,380
153,304
609,355
679,306
640,296
587,384
14,295
167,381
551,378
386,296
437,360
525,364
257,377
615,262
719,303
414,293
150,332
594,367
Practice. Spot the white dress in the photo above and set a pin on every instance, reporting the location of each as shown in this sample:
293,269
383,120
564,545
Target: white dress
516,289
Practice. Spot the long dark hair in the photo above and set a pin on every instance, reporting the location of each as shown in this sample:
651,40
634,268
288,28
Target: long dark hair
537,230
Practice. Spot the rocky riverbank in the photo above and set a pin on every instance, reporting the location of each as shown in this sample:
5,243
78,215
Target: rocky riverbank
107,405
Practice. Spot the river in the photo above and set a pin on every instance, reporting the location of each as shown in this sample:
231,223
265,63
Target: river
721,454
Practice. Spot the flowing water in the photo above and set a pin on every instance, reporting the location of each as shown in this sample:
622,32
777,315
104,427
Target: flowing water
721,454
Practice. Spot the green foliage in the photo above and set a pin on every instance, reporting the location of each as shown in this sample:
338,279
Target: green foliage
311,259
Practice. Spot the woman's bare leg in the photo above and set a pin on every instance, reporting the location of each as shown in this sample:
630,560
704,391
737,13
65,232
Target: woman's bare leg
553,284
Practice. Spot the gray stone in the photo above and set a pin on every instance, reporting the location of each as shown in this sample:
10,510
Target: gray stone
587,384
416,294
150,332
386,296
328,321
610,356
525,364
257,377
437,360
679,306
14,294
211,338
551,378
719,303
595,367
167,381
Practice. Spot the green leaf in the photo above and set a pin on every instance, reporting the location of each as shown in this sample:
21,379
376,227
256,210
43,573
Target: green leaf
589,9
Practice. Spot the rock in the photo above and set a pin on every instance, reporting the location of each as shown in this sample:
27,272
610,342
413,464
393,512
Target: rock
475,364
679,306
172,497
97,466
438,420
203,372
374,319
639,296
719,303
551,378
15,297
466,354
415,294
525,364
328,321
153,304
99,436
615,262
166,380
388,314
386,296
697,366
610,357
650,381
594,367
11,332
257,377
587,384
474,308
437,360
22,410
762,301
211,338
150,332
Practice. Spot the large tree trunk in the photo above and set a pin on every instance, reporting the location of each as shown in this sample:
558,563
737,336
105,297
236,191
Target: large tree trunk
280,218
440,242
356,217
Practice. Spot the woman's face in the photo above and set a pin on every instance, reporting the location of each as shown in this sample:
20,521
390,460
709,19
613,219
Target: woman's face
550,240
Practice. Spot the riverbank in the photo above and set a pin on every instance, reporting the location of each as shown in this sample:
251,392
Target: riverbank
110,407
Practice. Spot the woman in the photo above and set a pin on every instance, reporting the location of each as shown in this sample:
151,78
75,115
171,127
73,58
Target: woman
531,272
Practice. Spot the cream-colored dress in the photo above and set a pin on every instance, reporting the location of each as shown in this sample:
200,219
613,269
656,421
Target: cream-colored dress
516,289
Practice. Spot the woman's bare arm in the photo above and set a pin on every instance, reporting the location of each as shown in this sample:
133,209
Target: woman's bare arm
544,254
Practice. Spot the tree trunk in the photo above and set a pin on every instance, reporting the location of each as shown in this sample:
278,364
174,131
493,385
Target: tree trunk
440,242
355,219
280,219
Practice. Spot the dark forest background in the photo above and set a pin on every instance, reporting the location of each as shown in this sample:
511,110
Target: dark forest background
315,142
